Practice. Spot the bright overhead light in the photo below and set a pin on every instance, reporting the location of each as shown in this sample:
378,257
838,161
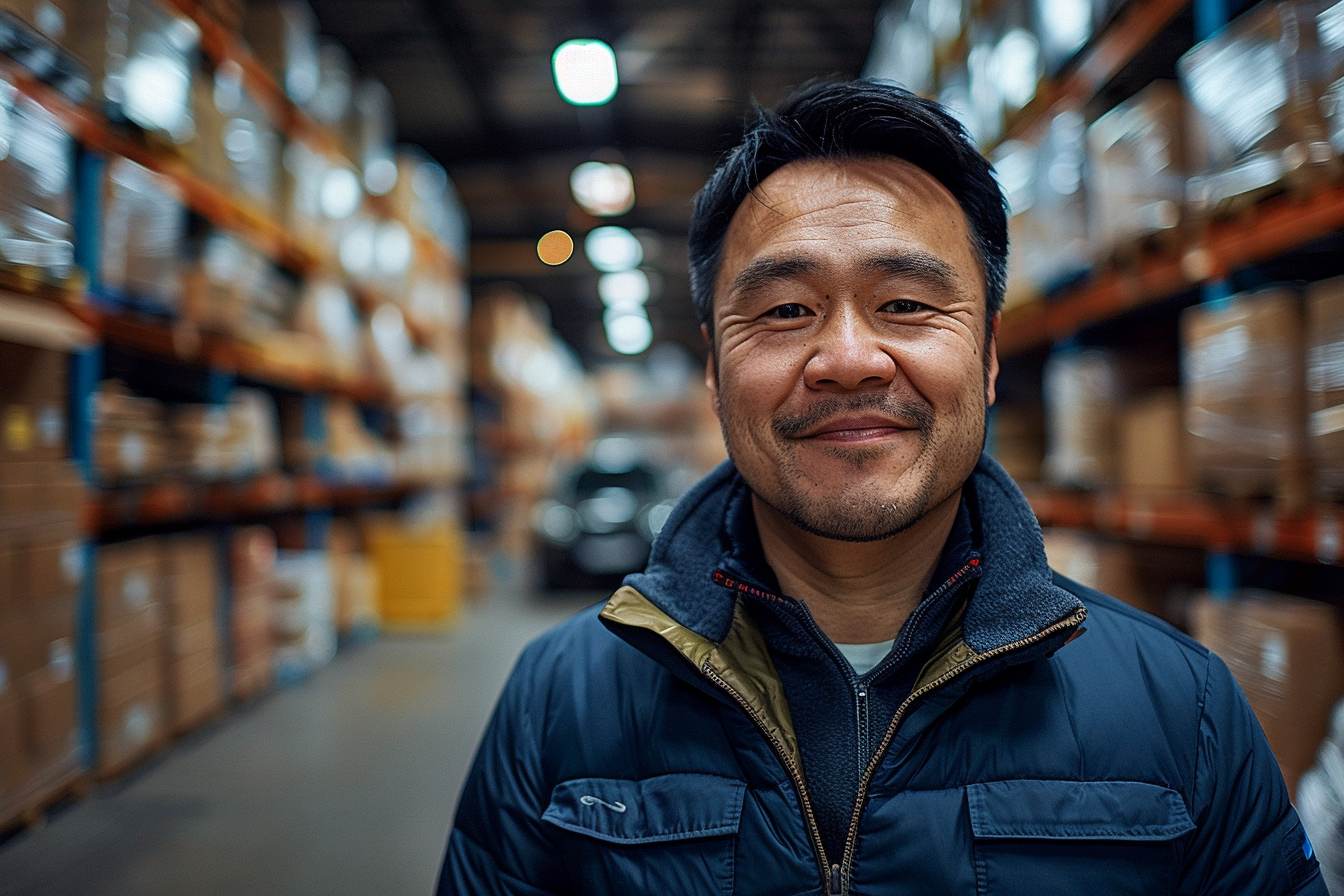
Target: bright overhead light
603,188
340,193
613,249
624,290
380,176
628,332
393,249
585,72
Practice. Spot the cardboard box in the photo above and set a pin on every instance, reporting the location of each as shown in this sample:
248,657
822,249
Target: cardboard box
9,586
1325,384
1288,656
1082,399
195,692
130,714
1019,440
50,718
1145,576
13,756
1261,86
1139,157
190,580
129,579
34,635
48,560
33,416
1152,444
1244,396
125,649
283,37
141,30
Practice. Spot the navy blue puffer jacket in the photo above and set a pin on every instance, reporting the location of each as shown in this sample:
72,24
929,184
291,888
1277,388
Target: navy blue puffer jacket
647,747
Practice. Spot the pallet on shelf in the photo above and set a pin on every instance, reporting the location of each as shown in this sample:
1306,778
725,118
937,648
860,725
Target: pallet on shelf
1269,229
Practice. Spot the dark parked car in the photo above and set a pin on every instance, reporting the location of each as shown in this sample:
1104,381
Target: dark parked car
600,527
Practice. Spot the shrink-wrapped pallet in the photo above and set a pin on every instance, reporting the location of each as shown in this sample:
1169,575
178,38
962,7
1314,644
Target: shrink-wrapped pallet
1244,401
1267,89
1139,158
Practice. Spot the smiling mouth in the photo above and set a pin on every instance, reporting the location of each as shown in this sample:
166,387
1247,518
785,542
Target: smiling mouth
857,420
858,429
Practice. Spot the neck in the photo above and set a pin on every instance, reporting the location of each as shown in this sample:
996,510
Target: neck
858,592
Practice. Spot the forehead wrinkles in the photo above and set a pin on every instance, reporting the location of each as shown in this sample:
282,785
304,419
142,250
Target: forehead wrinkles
881,191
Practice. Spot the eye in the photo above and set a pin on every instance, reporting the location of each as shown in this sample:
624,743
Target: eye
789,311
904,306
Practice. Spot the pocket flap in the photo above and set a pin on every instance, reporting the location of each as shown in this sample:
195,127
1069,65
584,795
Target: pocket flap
654,810
1077,810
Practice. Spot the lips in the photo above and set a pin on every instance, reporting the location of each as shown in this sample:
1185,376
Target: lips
857,428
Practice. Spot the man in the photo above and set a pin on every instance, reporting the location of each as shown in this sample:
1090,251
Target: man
847,668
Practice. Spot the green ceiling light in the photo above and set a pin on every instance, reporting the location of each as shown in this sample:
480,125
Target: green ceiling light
585,72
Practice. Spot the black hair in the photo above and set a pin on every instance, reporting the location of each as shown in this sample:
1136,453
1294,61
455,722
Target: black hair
844,120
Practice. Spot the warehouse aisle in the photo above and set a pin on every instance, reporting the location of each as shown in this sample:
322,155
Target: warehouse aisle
343,785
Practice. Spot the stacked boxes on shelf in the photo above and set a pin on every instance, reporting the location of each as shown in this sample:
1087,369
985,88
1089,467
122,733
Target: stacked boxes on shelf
1288,656
211,218
1325,385
41,572
1245,395
252,554
129,633
193,655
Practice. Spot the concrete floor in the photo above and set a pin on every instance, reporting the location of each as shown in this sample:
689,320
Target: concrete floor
344,784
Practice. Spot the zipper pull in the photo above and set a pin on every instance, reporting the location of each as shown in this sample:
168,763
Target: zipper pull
834,888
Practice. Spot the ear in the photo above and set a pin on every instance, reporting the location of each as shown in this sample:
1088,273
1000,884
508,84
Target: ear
992,359
711,370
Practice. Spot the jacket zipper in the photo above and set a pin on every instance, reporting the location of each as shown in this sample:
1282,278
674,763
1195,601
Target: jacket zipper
829,873
840,873
861,714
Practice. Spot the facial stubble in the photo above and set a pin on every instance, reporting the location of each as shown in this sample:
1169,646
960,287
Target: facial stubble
858,516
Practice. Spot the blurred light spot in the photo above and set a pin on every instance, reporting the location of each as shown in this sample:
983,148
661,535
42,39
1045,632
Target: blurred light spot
603,188
555,247
340,194
629,333
624,290
585,72
613,249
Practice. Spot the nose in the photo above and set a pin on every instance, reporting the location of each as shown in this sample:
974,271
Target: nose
849,356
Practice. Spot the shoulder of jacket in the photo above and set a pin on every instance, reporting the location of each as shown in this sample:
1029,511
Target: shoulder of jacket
1154,639
581,647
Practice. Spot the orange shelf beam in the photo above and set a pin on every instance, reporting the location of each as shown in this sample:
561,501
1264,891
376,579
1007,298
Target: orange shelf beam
1196,521
185,343
179,501
1267,230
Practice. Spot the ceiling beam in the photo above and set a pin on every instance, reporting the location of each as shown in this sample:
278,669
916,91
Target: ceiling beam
455,35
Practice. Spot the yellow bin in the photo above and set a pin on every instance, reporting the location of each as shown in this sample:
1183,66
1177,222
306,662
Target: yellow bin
420,576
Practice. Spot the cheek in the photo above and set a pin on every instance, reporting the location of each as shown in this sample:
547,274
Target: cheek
755,379
944,372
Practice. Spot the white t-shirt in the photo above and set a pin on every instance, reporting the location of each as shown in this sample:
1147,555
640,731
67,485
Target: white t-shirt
865,657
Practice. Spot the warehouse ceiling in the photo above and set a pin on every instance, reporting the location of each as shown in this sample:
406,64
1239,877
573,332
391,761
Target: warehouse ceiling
471,83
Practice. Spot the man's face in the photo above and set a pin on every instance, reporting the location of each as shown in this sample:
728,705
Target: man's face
849,366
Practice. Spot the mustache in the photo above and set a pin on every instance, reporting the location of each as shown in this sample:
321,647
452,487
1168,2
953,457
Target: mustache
907,410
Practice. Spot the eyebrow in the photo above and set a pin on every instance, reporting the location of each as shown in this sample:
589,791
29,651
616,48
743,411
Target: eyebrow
919,266
764,271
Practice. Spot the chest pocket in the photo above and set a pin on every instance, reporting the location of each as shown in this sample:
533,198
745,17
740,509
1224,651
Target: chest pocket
1055,837
668,834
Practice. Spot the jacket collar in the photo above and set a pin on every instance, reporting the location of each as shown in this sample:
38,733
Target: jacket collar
1015,599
